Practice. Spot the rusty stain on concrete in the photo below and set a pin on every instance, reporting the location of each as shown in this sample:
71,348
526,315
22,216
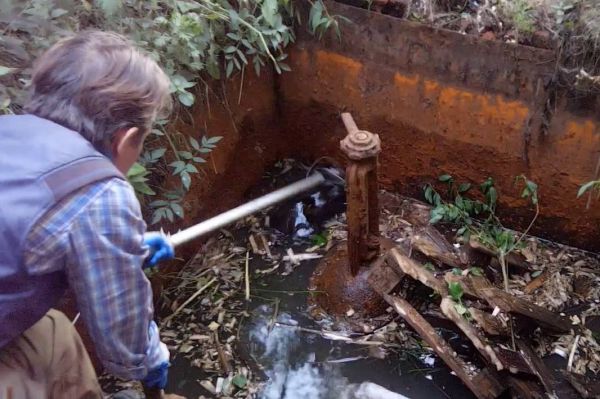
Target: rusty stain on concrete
437,123
452,113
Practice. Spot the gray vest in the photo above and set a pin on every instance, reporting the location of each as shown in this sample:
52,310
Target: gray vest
40,164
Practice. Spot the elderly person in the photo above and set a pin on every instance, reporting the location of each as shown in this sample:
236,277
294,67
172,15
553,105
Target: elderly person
69,218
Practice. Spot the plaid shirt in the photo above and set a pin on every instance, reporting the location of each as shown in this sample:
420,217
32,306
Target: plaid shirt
95,236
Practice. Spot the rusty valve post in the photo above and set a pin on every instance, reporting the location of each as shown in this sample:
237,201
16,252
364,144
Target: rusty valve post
361,148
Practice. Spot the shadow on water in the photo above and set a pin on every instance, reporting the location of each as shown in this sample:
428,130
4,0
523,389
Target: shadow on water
308,359
301,364
298,364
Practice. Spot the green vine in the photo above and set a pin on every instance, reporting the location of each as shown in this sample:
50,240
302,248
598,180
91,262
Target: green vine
477,218
192,41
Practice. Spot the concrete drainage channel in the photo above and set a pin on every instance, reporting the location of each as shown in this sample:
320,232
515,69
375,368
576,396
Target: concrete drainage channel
284,345
301,301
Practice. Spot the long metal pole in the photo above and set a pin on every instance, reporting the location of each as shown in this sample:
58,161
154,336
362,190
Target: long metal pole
247,209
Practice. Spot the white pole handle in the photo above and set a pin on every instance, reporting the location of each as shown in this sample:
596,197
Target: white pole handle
246,209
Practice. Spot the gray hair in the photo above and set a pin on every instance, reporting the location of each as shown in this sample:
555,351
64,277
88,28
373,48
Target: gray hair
96,83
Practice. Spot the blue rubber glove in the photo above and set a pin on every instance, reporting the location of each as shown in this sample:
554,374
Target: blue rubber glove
160,248
157,378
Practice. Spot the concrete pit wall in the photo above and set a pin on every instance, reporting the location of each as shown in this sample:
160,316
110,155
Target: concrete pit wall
443,102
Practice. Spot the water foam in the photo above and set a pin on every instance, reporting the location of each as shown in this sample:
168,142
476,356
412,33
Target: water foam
302,378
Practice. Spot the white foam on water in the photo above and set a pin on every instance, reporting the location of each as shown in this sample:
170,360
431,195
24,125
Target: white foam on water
304,379
428,359
300,220
319,201
368,390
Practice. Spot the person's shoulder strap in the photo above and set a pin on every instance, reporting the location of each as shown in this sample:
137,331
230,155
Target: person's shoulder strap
70,177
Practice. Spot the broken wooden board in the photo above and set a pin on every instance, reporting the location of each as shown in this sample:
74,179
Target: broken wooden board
417,271
431,243
512,259
471,284
512,361
509,303
537,366
382,277
525,389
485,384
488,323
478,340
586,387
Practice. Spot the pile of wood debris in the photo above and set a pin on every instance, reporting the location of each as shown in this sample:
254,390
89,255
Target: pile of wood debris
203,312
551,307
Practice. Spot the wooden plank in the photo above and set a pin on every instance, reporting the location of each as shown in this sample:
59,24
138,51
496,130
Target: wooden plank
431,243
489,382
382,277
479,341
471,284
480,287
588,388
417,271
510,303
538,367
484,385
513,258
525,389
488,323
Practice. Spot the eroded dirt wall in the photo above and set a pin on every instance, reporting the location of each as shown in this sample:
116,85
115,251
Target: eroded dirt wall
443,102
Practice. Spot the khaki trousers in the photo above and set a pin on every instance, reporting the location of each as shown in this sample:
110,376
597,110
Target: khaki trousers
48,361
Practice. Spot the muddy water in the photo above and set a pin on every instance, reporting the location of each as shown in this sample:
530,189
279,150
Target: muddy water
306,365
298,364
303,365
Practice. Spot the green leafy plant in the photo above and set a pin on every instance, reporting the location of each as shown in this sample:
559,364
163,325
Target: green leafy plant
137,177
319,20
184,165
478,218
429,266
239,381
319,239
189,154
462,210
504,241
169,207
521,15
561,10
456,292
591,187
192,41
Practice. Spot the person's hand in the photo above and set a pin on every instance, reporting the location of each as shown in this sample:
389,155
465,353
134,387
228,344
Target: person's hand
160,248
156,379
155,382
